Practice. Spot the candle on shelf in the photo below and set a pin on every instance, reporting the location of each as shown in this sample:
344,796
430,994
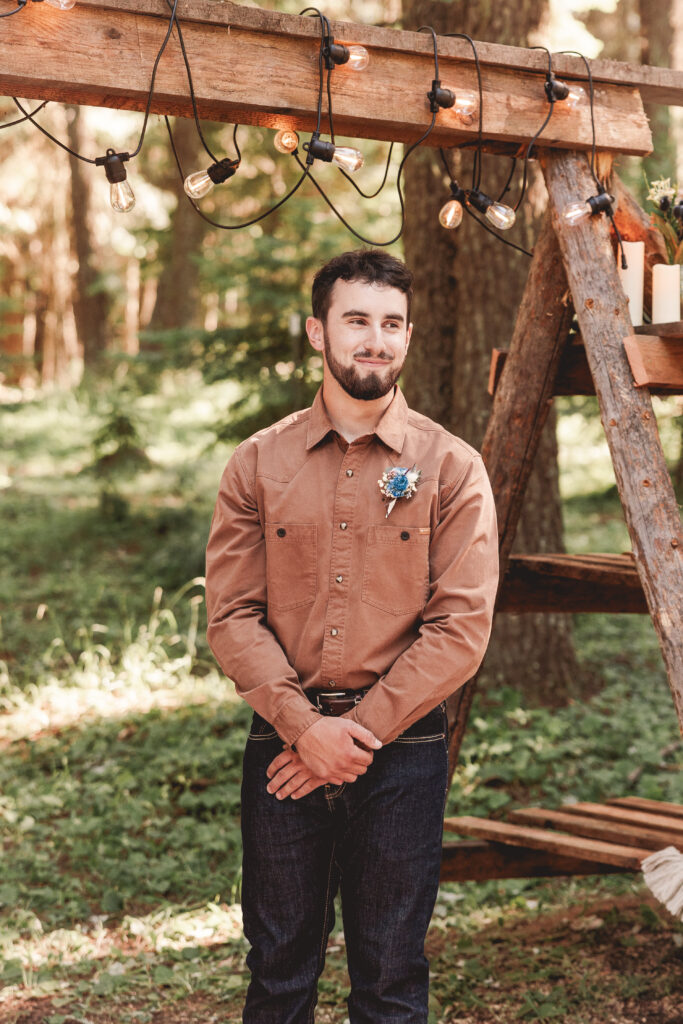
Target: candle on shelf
632,279
666,293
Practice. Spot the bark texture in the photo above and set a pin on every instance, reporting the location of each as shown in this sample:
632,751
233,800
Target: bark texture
468,289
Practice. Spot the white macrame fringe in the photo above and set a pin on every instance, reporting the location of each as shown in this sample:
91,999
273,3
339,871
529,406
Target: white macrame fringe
663,872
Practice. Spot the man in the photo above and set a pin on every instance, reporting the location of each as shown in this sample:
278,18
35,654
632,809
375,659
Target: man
351,572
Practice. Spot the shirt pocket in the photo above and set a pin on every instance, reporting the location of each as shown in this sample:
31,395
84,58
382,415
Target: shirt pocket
291,565
396,570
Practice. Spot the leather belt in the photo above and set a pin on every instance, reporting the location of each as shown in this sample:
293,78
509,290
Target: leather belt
335,702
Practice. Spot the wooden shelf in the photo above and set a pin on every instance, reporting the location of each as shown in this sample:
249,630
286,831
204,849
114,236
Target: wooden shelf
661,359
571,583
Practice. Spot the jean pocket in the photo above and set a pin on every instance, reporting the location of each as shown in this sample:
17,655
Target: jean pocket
291,565
260,729
396,570
429,729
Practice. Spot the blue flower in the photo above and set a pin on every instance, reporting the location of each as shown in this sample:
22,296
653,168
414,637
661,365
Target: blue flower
398,485
398,482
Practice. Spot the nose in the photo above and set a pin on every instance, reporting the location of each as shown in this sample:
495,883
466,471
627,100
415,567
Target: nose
374,339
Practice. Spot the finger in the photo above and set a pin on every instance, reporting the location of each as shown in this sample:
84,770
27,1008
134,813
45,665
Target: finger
367,738
294,784
278,762
307,787
283,776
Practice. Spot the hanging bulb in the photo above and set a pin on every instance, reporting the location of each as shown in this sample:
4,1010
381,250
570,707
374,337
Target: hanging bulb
576,96
286,141
347,158
120,193
498,214
63,5
121,196
576,212
466,104
450,214
359,58
572,95
344,156
501,216
200,183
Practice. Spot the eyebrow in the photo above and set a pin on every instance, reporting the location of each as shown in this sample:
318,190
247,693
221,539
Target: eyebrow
361,312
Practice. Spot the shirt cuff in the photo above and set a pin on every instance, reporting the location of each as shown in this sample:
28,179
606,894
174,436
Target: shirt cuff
294,719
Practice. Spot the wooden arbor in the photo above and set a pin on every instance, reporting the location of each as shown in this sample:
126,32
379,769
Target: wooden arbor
234,50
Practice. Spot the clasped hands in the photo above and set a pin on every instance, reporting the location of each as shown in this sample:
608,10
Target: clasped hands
333,750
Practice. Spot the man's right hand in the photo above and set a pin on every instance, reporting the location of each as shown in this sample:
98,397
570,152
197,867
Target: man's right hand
330,748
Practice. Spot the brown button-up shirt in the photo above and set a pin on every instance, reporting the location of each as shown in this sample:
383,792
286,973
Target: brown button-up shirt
309,585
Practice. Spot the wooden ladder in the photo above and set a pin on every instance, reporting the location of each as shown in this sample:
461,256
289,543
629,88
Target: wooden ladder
575,267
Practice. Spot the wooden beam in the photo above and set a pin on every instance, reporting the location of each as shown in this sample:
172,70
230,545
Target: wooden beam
519,412
663,823
476,860
656,362
641,803
544,839
648,499
656,84
261,67
595,828
574,375
571,583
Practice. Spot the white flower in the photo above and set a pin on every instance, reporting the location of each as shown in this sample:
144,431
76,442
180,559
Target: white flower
660,190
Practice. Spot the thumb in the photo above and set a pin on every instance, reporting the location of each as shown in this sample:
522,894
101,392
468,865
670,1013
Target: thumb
366,737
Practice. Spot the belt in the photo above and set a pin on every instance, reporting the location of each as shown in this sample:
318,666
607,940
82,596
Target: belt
336,702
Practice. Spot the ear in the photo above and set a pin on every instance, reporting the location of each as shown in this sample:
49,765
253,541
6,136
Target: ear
314,330
409,334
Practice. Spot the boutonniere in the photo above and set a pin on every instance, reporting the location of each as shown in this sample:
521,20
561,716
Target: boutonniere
398,482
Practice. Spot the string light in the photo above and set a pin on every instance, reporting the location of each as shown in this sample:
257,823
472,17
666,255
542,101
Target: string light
575,213
336,54
200,183
570,95
62,5
286,141
346,157
120,193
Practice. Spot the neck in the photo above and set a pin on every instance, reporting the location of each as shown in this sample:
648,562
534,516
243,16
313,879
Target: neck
352,417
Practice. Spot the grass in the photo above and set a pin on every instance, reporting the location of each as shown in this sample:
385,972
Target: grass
121,748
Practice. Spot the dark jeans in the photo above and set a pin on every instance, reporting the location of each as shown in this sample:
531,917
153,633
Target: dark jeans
379,841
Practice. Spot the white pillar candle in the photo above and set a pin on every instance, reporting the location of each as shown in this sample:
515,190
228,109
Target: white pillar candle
633,278
666,293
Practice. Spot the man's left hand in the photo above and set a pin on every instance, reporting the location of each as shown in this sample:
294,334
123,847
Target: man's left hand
289,776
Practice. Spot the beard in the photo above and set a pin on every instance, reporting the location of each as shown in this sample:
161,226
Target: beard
364,387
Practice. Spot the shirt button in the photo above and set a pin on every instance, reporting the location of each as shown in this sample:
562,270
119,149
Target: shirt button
331,682
405,535
281,532
334,632
339,579
342,526
349,472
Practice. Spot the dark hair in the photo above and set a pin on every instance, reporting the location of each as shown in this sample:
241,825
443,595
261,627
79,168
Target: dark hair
371,265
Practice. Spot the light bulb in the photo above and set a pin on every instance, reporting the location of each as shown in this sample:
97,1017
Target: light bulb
63,5
574,213
121,196
466,104
286,141
575,97
346,158
198,185
500,215
358,58
450,214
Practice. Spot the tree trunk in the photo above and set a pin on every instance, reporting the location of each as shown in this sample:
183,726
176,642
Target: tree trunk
177,298
468,288
89,305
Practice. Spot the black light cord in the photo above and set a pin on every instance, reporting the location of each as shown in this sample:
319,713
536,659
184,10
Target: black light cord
324,30
371,195
506,186
532,143
246,223
28,116
20,120
476,164
8,14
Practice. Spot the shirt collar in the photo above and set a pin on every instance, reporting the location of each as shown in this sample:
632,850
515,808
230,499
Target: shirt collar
391,429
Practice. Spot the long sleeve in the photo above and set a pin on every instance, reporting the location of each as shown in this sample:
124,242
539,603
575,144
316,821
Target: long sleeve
463,558
238,633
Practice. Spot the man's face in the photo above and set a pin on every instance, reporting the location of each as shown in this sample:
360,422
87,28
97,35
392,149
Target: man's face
364,338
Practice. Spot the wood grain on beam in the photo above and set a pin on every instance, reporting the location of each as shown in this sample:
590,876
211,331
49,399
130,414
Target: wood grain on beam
571,583
260,67
656,362
656,84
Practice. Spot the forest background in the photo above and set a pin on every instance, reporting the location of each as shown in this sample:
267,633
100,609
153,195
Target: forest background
136,350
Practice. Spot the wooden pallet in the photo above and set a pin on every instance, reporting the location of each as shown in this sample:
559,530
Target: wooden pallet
581,838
